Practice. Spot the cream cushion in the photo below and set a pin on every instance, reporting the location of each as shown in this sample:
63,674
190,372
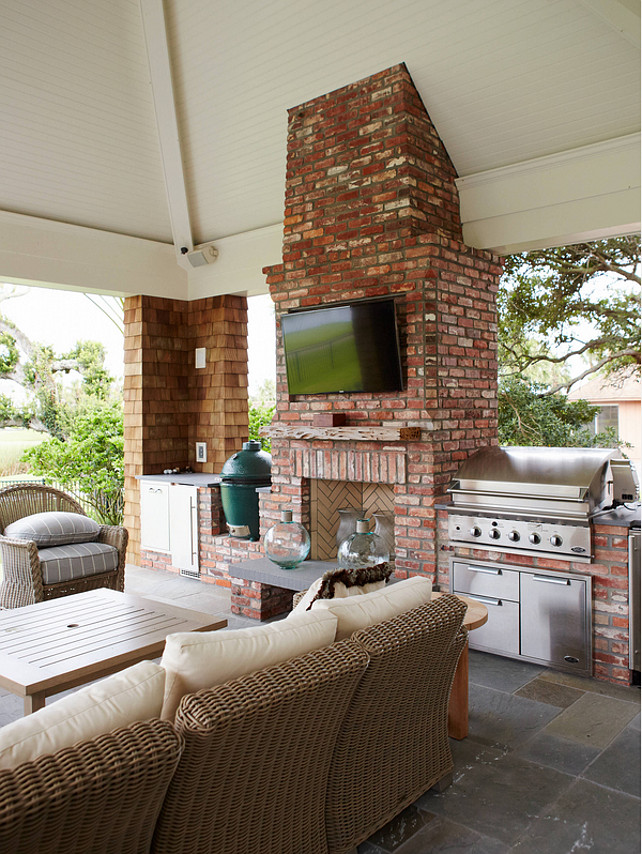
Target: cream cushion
359,612
195,660
340,592
135,694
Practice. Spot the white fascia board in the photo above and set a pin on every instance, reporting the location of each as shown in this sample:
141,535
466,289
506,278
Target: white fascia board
238,268
35,251
584,194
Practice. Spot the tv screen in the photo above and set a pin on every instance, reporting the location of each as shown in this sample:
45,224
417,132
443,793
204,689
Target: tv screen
342,348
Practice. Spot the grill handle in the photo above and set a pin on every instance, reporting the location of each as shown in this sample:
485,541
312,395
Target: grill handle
485,570
485,600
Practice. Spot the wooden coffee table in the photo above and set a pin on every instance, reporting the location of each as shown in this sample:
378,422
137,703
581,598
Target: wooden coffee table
62,643
475,616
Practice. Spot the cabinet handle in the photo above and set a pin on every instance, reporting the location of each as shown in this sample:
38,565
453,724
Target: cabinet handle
191,526
485,570
485,600
548,580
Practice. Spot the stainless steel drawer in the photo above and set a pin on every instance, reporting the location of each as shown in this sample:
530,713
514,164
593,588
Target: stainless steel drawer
501,633
485,580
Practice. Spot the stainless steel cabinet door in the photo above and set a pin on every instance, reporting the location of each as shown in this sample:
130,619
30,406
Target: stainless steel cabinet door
555,620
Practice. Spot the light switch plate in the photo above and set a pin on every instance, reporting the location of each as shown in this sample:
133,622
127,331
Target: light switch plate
201,452
201,355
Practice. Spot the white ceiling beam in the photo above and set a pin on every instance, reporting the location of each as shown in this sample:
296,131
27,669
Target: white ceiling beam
167,122
584,194
41,252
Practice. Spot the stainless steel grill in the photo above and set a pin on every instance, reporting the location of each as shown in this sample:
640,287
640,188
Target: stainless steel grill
536,500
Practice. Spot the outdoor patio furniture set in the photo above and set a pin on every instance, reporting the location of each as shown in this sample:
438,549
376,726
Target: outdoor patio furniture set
303,735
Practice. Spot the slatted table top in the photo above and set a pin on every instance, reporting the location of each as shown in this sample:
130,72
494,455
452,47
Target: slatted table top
61,643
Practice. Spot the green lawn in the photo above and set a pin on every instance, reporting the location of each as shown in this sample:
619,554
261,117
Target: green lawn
13,442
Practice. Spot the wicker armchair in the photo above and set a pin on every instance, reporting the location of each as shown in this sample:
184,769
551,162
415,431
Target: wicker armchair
22,577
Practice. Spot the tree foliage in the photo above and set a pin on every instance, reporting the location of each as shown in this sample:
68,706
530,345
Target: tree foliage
560,305
261,410
90,460
528,416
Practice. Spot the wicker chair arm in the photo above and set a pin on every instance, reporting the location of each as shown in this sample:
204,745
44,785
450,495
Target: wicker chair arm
113,535
297,597
22,582
102,795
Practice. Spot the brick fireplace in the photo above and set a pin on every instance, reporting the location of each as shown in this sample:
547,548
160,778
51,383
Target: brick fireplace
371,209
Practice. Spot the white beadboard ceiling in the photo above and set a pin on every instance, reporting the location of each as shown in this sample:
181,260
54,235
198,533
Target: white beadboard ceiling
506,83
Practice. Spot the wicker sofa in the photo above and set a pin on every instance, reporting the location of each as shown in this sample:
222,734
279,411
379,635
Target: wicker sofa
310,755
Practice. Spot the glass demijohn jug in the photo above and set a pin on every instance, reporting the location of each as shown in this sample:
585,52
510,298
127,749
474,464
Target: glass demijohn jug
287,543
362,549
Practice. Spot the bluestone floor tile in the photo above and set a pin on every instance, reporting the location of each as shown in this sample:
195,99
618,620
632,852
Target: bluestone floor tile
594,686
586,817
498,796
613,767
504,674
441,836
498,718
563,754
549,692
593,719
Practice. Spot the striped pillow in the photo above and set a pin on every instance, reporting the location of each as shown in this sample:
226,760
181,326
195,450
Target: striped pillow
54,529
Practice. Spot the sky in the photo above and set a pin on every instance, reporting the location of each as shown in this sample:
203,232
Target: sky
61,318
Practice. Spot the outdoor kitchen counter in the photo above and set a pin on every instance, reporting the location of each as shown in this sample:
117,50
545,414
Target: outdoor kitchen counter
184,478
621,517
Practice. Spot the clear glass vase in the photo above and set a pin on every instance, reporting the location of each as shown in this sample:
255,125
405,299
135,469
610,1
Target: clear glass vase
362,549
347,523
287,543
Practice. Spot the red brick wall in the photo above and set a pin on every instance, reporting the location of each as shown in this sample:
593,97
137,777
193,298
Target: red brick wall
372,210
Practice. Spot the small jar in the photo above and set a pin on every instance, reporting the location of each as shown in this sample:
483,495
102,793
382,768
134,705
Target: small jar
287,543
362,549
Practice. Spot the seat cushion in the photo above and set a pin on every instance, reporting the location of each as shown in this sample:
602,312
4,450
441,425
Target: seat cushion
65,563
134,694
54,529
359,612
339,583
195,660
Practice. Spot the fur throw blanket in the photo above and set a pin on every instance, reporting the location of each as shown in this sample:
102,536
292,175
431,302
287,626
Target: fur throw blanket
350,578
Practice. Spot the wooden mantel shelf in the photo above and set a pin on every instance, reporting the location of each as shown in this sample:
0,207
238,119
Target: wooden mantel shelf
342,434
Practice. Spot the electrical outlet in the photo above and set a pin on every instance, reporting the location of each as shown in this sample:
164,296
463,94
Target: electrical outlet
201,452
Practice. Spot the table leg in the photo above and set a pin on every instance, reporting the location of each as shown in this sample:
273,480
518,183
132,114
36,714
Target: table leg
458,708
33,702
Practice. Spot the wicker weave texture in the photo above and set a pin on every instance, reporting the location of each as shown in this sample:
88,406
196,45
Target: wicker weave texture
393,743
22,582
254,772
99,797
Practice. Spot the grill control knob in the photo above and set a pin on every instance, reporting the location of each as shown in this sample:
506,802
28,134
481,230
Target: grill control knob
513,536
494,534
535,539
475,531
556,540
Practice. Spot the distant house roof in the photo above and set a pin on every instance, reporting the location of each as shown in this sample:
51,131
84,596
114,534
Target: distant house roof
614,389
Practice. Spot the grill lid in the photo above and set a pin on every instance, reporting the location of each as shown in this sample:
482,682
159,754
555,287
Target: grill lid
569,481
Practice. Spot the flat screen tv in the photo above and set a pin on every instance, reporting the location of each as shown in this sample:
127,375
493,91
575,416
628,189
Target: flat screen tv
352,347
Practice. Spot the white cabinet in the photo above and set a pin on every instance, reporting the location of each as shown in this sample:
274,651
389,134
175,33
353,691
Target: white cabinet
169,522
154,515
538,616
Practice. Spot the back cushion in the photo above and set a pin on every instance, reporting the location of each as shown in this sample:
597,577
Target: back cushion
54,529
135,694
195,660
358,612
